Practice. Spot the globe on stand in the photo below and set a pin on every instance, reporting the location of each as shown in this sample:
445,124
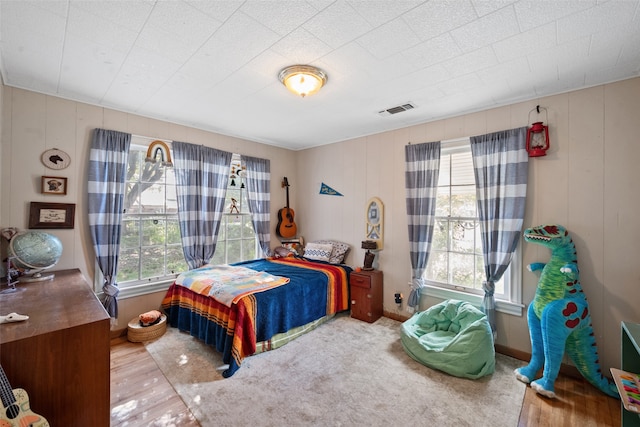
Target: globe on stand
34,252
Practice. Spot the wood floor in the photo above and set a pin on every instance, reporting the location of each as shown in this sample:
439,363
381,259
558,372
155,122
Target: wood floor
578,404
142,396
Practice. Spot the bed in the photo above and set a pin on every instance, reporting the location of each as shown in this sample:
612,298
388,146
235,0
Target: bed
286,298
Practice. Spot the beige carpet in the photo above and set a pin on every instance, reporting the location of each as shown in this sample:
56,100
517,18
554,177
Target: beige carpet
344,373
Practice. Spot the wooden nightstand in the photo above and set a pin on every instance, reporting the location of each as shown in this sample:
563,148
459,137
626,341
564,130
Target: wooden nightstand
366,295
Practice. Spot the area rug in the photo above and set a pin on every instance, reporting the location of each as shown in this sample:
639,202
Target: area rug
344,373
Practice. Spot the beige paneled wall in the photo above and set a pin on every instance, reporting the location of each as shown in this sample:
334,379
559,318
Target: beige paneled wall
3,129
33,122
621,231
587,182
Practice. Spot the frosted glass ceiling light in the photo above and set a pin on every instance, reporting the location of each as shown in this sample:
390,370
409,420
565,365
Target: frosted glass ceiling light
303,80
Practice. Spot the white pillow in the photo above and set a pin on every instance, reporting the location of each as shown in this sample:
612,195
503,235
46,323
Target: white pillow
339,251
318,251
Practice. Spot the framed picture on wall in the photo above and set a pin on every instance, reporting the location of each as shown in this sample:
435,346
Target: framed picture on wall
51,215
54,185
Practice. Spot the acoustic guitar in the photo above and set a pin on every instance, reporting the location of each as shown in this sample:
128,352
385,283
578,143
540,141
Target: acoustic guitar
16,410
286,227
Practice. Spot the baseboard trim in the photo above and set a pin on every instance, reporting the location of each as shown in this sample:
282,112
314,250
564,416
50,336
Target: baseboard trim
118,333
395,316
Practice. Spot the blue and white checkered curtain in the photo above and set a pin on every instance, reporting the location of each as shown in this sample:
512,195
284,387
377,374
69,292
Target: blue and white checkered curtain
422,163
202,174
501,166
106,187
259,197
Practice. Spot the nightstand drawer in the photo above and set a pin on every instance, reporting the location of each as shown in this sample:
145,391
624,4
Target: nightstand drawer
360,281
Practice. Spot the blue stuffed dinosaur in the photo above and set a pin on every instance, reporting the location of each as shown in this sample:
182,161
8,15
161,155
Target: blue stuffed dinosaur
559,317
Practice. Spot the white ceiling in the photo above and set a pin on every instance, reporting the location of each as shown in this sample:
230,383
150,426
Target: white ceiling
213,64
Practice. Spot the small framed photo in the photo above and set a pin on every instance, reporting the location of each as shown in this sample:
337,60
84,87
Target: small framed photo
54,185
51,215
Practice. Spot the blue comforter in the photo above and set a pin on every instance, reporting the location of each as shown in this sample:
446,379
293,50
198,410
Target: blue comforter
303,300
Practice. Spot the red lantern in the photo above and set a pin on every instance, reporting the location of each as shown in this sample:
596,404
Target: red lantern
537,138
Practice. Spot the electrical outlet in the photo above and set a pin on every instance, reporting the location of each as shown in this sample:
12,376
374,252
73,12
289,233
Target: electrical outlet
398,297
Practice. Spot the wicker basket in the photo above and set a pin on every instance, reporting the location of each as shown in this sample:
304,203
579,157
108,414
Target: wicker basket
138,333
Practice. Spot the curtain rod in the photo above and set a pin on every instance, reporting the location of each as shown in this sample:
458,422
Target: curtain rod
451,141
168,142
151,139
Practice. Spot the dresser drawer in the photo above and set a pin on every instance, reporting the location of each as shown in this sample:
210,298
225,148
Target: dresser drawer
360,280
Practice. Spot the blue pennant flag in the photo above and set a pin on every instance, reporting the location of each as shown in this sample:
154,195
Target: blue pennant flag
325,189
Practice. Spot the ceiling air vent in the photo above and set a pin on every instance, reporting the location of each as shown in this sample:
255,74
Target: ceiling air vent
396,110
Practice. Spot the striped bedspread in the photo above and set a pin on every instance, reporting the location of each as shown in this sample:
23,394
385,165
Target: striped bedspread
314,290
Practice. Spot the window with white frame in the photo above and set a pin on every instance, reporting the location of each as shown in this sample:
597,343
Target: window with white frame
456,260
150,245
237,240
151,249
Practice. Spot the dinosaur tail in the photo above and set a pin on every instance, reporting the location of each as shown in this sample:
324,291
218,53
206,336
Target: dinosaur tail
581,348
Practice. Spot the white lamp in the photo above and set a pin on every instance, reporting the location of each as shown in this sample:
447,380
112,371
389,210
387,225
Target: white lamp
303,80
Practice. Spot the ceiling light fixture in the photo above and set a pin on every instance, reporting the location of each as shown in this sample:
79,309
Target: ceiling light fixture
303,80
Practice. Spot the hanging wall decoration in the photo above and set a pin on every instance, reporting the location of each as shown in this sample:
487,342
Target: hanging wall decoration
325,189
54,185
158,151
538,136
51,215
374,224
55,159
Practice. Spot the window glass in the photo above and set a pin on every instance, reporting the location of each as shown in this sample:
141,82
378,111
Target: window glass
150,246
237,240
456,260
151,255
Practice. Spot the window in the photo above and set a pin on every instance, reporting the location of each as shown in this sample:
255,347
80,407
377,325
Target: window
150,246
151,254
237,240
456,263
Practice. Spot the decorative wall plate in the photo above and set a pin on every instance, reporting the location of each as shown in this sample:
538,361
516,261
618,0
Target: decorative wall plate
55,159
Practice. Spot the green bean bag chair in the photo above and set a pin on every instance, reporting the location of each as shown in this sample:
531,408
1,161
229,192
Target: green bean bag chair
453,337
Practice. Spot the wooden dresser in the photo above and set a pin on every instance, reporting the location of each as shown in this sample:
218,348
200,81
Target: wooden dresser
61,354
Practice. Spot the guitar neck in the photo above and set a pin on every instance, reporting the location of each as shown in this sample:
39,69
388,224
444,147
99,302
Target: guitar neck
287,197
6,392
285,183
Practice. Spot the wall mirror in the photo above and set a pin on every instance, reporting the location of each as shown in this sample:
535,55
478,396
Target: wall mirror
374,221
